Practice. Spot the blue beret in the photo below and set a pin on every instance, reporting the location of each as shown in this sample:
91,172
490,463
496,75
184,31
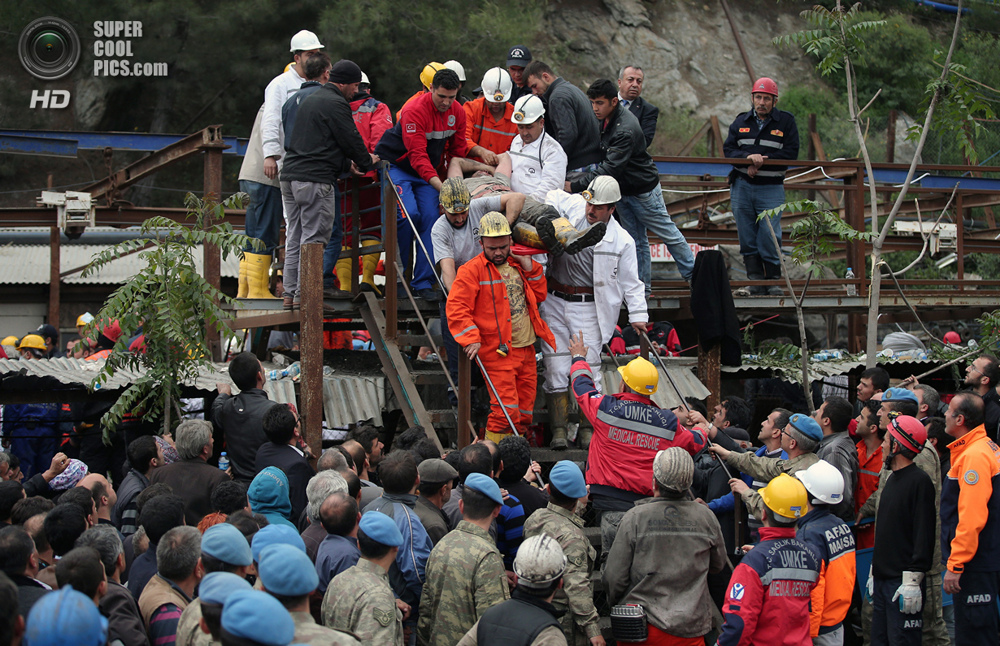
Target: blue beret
62,613
256,615
287,571
807,426
275,535
899,395
568,480
484,485
381,529
226,543
216,587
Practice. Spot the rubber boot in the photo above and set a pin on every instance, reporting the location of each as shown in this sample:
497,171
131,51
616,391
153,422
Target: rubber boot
772,271
243,288
343,269
369,263
530,236
584,432
755,271
575,241
557,405
258,278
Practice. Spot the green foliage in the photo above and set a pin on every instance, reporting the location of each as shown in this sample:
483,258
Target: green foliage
170,301
812,236
834,36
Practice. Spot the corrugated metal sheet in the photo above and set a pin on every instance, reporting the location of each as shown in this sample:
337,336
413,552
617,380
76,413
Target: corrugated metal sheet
665,397
29,265
819,370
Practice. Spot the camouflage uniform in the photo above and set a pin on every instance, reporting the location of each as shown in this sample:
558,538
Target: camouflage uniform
307,631
359,600
189,632
765,470
465,576
580,623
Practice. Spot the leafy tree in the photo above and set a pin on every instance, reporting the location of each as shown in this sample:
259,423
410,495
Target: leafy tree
171,302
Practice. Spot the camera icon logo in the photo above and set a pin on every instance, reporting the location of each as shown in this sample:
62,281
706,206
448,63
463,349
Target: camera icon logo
49,48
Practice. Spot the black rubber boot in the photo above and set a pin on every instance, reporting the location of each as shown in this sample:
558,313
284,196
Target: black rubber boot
755,271
772,271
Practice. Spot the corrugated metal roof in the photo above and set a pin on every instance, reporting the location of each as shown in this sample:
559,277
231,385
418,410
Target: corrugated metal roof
665,397
29,265
819,370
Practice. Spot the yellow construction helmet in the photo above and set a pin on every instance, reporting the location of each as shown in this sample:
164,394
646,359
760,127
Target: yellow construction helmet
10,340
430,69
786,498
84,319
641,376
454,197
32,341
493,225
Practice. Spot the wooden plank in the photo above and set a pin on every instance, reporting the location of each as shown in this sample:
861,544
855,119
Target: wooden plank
710,372
311,345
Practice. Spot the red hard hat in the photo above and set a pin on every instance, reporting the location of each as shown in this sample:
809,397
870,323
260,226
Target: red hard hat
952,337
908,431
765,85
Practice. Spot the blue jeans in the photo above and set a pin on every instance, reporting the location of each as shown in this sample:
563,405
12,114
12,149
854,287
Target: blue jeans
421,202
331,253
647,211
747,201
263,219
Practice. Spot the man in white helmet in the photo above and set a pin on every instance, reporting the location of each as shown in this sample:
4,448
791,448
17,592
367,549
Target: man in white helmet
528,617
459,69
586,291
488,124
538,162
259,172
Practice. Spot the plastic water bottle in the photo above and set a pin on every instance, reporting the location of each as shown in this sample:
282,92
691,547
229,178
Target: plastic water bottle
223,461
852,290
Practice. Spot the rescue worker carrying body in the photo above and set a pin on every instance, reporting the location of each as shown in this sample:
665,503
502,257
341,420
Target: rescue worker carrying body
493,314
488,123
629,430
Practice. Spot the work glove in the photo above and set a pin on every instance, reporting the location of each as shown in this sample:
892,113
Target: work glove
869,591
911,599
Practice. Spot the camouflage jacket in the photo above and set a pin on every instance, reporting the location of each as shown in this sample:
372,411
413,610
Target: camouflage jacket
359,601
189,632
765,470
307,631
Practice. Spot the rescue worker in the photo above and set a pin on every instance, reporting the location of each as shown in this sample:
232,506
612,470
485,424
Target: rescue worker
833,541
529,617
359,600
629,430
586,291
904,539
82,322
575,599
970,528
459,70
430,130
798,440
767,601
488,124
493,314
465,574
538,162
259,173
663,565
762,133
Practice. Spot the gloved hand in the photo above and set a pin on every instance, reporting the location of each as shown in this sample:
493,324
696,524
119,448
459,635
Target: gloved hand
869,592
911,599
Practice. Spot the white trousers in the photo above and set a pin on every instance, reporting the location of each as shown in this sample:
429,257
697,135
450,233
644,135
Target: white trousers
565,319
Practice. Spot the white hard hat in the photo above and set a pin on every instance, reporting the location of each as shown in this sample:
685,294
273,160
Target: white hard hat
304,41
540,561
497,85
457,68
603,189
527,110
824,482
364,79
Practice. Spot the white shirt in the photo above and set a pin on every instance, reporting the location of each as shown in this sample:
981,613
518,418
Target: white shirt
278,91
537,168
462,245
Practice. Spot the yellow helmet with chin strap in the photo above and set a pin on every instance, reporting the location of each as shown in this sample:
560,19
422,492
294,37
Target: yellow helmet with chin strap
641,376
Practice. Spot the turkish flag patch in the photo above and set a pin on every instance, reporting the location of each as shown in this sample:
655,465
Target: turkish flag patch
744,129
777,133
411,127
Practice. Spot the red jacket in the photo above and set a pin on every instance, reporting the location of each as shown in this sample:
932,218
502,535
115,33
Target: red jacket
629,430
478,310
423,137
767,602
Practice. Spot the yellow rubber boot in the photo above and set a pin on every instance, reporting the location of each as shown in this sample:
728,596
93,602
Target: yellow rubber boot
343,269
540,235
369,263
575,241
557,405
243,288
258,275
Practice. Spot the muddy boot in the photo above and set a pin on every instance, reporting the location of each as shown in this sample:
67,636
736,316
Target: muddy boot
536,237
772,271
243,288
755,271
575,241
584,432
557,405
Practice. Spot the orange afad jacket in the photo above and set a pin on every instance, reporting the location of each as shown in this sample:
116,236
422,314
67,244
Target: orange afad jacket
970,505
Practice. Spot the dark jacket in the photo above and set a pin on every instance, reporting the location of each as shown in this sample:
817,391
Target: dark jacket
715,315
239,418
778,139
623,149
122,613
124,516
570,119
325,140
194,481
991,413
647,114
29,591
294,465
841,452
517,621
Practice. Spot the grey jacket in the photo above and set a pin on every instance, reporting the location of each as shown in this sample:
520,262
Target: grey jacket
570,119
660,560
839,450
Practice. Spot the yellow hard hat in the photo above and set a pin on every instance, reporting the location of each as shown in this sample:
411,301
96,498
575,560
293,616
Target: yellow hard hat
455,197
430,69
493,225
10,340
84,319
641,376
786,498
32,341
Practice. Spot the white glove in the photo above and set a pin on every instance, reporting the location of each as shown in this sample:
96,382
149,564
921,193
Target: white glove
911,600
870,587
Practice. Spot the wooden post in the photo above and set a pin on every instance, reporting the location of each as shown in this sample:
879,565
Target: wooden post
464,394
960,249
311,344
812,148
710,373
211,258
54,255
890,138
